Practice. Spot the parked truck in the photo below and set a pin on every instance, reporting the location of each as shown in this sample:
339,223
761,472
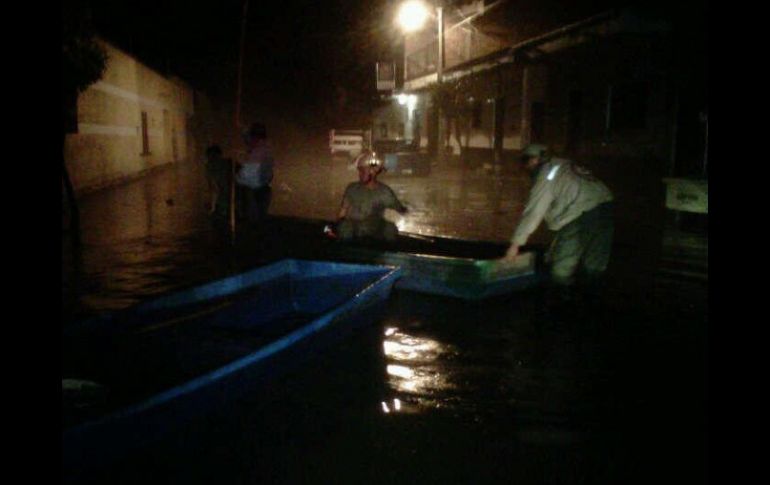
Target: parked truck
348,143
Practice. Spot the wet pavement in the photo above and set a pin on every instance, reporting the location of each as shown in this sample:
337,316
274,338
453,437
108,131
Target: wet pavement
514,389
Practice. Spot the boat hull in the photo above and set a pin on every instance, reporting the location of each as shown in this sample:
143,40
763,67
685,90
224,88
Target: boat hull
311,285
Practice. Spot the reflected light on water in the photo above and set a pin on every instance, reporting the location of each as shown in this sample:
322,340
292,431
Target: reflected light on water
412,366
411,226
396,406
400,371
403,347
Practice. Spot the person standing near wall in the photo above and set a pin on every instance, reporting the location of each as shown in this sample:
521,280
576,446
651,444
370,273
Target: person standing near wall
255,175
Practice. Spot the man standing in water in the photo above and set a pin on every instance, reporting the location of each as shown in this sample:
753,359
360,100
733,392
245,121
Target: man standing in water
577,206
255,175
364,204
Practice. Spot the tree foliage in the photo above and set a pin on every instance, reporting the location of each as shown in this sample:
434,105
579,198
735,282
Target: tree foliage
452,99
83,59
459,100
83,63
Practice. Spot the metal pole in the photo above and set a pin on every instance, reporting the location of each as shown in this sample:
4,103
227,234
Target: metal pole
440,79
440,60
406,63
237,117
524,130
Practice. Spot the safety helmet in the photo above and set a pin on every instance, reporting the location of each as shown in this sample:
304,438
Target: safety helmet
368,159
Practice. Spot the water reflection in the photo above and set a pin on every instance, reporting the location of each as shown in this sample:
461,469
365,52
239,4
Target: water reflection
507,368
166,204
388,407
152,235
414,371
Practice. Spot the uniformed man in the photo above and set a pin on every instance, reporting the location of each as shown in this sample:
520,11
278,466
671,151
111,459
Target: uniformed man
577,206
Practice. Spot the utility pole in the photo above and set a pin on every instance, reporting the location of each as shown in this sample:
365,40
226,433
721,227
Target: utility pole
439,80
525,107
237,117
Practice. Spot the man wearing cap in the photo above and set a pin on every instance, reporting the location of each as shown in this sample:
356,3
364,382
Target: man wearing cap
364,204
576,205
255,174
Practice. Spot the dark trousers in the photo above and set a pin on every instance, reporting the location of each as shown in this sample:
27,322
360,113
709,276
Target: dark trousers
254,203
584,244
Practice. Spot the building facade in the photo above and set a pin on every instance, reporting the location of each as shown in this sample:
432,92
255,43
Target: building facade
131,121
590,84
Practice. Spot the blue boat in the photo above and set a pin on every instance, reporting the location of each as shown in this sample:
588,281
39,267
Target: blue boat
438,265
131,376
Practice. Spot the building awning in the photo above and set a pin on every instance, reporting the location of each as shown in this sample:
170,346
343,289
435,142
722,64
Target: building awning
601,25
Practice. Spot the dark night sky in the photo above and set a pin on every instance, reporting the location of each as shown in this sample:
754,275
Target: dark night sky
298,52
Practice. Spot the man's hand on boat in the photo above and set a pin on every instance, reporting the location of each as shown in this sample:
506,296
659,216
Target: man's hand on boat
512,253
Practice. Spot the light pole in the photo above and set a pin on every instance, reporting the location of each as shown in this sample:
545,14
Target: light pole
411,17
440,56
237,118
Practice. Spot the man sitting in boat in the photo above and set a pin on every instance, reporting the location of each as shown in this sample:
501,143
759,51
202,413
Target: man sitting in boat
364,203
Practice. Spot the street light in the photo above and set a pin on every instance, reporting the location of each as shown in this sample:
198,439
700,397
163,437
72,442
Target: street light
411,17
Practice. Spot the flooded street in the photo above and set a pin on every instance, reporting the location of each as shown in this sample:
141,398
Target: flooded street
450,202
507,390
148,236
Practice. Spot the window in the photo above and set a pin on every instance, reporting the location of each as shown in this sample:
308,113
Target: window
145,137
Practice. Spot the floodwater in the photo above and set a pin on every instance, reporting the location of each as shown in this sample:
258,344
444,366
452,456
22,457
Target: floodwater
509,390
